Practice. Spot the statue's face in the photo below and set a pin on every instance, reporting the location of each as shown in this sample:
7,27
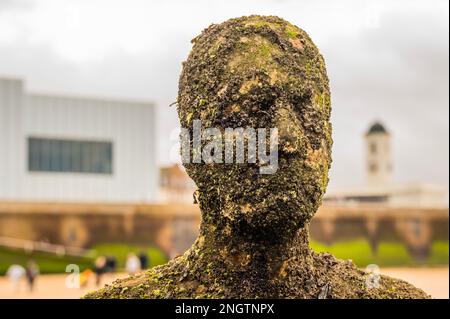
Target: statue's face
259,72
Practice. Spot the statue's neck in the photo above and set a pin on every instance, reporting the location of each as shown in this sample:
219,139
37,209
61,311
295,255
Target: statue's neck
248,262
265,258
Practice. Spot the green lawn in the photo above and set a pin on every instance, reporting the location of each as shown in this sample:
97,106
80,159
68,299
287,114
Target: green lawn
389,253
50,263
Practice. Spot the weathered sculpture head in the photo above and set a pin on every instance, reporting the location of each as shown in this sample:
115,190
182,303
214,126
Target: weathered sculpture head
259,72
256,72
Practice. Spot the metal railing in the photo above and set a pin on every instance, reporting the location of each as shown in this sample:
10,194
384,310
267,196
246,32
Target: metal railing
30,246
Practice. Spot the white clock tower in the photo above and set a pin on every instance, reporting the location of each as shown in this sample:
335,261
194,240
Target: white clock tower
378,156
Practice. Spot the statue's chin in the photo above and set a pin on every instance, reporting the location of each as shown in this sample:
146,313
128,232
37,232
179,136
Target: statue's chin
267,223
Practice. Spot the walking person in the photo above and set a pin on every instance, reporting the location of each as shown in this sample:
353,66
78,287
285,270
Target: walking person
133,265
15,274
99,269
31,272
144,260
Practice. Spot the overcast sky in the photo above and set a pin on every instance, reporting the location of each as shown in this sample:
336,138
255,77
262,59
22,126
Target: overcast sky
387,61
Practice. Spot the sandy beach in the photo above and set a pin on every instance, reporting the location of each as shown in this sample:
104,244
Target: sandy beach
434,281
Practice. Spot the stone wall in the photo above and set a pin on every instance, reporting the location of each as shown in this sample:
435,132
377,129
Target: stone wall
173,227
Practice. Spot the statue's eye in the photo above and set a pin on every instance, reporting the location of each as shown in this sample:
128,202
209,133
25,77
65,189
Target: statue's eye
300,102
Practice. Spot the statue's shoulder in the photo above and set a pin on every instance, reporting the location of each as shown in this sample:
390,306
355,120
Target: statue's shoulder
343,279
150,284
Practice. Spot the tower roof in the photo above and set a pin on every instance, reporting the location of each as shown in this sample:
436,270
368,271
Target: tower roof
377,127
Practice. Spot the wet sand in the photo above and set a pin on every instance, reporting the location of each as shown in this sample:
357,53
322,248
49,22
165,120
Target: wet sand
434,281
51,287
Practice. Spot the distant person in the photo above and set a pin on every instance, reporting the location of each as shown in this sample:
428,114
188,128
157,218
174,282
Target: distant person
84,277
111,264
31,272
133,265
144,260
15,274
99,269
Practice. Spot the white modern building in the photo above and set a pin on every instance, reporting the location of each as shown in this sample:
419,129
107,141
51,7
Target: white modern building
72,149
379,188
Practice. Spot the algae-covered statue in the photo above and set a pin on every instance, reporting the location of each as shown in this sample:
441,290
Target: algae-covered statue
258,72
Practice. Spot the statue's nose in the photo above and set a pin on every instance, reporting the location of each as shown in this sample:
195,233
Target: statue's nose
289,130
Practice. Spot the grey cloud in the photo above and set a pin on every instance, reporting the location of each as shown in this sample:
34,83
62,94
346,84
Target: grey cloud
397,73
15,5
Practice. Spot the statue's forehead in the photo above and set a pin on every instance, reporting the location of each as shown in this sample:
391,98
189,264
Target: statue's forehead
255,50
242,72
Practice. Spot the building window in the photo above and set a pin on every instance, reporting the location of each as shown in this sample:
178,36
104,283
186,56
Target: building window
373,148
373,168
71,156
